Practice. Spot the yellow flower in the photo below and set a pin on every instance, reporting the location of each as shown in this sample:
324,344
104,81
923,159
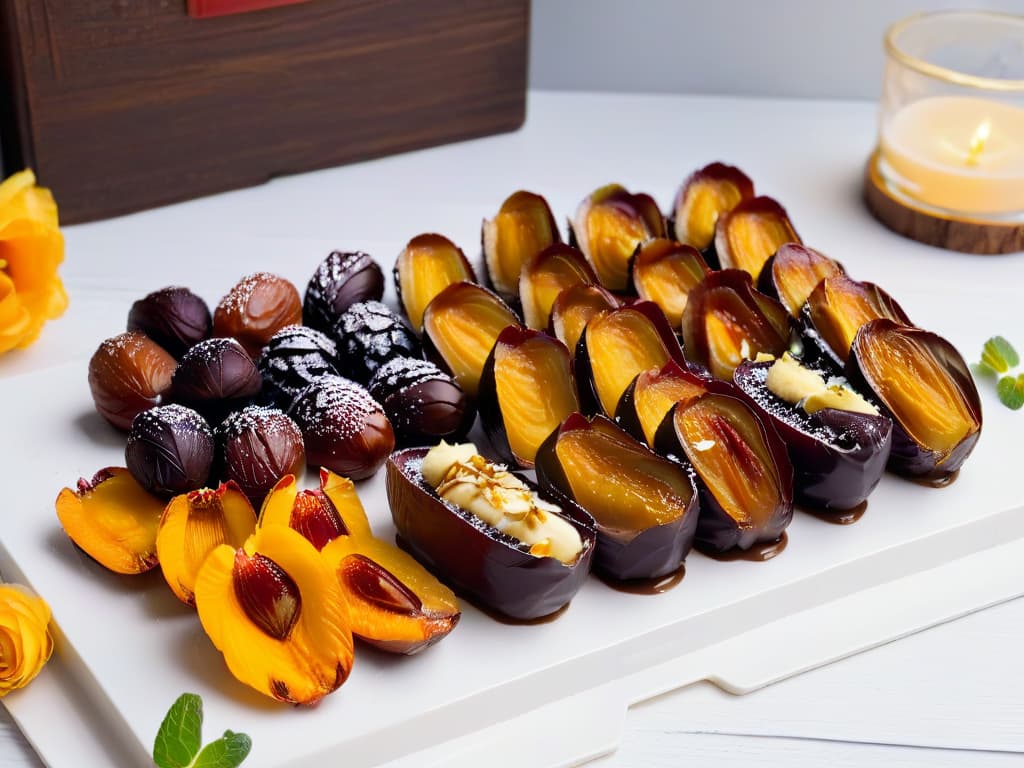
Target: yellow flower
25,641
31,249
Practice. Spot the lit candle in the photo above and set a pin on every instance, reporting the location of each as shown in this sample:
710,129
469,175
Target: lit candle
960,153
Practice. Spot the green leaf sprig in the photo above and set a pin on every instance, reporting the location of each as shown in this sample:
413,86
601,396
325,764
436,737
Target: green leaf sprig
998,359
179,742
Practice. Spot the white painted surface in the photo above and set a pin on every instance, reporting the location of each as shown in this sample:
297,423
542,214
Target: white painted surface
809,155
781,48
958,677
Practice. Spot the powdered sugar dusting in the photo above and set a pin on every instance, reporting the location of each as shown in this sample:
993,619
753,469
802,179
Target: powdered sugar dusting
334,408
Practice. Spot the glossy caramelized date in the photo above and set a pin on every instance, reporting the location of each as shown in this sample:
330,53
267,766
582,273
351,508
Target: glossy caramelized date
459,328
424,268
479,561
526,391
726,322
838,456
837,308
744,476
645,506
609,224
793,272
545,276
522,228
615,347
703,198
923,383
665,272
751,232
574,308
652,394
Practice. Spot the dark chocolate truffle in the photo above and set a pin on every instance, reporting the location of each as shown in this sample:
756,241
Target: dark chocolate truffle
368,335
423,403
256,447
216,377
255,309
293,359
343,428
173,317
170,450
341,280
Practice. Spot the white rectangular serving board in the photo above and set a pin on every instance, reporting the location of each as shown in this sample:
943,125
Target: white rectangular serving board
544,695
133,647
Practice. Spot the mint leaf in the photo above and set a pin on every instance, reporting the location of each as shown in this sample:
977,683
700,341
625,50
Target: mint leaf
1011,391
999,355
180,735
982,371
226,752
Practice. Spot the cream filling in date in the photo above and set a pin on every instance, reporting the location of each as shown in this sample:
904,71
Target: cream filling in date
790,381
466,479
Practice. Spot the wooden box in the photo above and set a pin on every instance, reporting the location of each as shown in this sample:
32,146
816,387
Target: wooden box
121,105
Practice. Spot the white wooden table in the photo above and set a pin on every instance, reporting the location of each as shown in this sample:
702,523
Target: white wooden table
948,696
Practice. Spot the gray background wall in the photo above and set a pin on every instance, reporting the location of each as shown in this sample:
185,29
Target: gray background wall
800,48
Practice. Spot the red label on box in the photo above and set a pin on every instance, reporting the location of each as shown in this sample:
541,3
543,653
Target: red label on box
202,9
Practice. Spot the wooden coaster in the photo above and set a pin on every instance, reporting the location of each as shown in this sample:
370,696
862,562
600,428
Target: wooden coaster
955,234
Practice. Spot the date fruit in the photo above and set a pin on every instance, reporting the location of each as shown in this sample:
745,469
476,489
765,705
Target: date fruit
526,391
493,568
751,232
793,272
665,272
925,386
645,506
459,328
652,394
726,322
545,276
838,455
703,198
609,225
615,347
837,308
522,228
216,377
573,309
295,357
424,268
255,447
744,475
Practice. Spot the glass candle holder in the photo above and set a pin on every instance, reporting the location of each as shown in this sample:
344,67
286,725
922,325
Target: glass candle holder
951,126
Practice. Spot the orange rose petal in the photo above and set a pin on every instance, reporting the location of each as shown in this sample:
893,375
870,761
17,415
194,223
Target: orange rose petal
25,640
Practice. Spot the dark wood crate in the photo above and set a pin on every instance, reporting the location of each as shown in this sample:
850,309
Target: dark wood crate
121,105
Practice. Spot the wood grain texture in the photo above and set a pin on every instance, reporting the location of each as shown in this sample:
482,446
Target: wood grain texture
122,106
953,234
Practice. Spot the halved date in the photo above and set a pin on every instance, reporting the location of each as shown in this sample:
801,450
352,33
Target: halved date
522,228
609,224
460,326
744,475
546,275
480,561
924,384
726,322
751,232
615,347
645,506
665,272
526,391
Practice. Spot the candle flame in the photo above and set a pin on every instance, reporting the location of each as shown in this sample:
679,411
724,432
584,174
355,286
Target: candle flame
981,134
